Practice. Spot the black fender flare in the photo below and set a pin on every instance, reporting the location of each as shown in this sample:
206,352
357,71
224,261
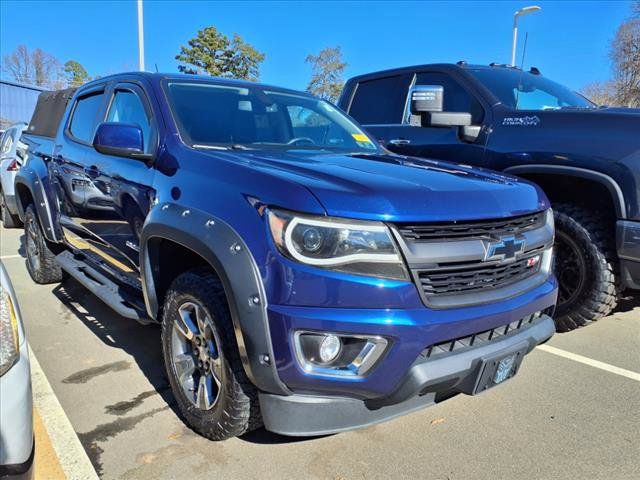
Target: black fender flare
36,184
611,185
224,250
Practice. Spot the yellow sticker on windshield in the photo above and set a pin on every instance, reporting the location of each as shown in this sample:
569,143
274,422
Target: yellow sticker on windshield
360,137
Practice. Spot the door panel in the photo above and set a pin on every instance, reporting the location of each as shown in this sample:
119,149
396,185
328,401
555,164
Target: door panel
443,143
436,143
121,190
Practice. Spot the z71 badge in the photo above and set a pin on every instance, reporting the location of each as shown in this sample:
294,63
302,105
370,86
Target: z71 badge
533,121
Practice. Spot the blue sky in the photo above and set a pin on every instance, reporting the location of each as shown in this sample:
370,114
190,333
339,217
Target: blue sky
568,40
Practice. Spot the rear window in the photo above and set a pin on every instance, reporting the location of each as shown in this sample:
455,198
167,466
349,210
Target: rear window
85,117
380,101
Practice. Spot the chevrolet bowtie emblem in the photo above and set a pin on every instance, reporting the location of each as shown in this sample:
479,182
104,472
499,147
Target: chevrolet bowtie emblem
507,248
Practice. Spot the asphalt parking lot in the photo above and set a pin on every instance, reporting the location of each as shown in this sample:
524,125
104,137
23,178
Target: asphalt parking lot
560,417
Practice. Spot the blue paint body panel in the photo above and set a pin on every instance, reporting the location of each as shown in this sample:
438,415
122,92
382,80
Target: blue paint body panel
228,187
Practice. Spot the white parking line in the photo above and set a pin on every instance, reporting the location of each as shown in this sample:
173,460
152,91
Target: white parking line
5,257
71,455
589,361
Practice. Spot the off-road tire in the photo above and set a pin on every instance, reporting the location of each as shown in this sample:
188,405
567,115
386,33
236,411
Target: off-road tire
237,410
46,270
592,234
8,220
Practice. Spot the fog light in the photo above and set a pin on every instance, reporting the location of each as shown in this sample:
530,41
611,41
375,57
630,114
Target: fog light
330,348
324,353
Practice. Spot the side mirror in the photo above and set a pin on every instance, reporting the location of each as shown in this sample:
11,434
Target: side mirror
426,98
120,140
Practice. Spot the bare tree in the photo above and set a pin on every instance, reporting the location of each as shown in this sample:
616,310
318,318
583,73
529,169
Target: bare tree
37,67
600,93
625,59
18,64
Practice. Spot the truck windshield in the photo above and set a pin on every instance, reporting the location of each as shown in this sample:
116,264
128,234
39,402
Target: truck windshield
220,116
526,91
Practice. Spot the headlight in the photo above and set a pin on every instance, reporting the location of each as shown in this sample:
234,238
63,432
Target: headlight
9,340
352,246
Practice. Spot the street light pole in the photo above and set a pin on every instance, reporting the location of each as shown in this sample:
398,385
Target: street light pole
140,38
519,13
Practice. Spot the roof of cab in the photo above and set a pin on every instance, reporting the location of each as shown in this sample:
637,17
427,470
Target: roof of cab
157,77
461,65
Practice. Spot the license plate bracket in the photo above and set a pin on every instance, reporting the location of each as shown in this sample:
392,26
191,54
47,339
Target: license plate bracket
498,369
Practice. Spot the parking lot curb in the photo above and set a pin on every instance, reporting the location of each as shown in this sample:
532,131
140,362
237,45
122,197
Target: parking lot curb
72,457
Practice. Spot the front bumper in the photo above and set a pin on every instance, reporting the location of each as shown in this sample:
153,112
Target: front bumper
628,246
423,385
16,418
20,471
409,331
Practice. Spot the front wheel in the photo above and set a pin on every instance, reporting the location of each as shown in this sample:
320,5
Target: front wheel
207,378
585,267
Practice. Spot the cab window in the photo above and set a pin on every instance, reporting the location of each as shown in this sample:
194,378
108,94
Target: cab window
456,98
127,107
85,117
380,101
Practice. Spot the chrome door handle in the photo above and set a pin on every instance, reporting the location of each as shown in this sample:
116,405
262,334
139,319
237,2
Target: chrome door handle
399,141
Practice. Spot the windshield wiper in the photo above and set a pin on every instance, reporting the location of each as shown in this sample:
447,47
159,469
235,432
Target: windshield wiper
235,146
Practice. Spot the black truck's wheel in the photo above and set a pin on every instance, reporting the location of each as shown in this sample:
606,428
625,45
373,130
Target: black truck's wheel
207,378
585,267
41,261
8,220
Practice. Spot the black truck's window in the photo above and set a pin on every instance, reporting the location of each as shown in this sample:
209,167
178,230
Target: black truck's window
85,117
456,98
127,107
380,101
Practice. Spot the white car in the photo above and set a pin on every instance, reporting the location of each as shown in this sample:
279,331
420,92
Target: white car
11,160
17,446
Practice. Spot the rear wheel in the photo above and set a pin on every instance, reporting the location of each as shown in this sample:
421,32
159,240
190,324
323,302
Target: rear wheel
8,220
41,260
207,378
585,266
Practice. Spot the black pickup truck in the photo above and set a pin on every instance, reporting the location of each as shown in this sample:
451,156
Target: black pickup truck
586,158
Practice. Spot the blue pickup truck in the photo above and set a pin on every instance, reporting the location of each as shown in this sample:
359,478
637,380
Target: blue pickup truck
303,278
585,158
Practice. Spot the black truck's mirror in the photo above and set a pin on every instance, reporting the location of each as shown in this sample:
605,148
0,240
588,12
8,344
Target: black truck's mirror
426,98
427,105
120,140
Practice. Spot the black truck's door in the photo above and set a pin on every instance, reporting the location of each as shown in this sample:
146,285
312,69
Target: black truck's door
396,133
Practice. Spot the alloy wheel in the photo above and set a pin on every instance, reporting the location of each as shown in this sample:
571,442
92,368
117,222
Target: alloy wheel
196,355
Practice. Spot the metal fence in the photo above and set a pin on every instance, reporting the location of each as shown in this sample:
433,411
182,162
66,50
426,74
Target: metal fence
17,102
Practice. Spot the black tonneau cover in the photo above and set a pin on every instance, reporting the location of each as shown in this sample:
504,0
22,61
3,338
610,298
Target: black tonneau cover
49,111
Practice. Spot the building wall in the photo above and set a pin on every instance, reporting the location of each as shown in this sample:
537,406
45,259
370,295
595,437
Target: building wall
17,102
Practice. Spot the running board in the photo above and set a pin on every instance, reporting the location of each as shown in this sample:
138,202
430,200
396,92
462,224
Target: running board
102,287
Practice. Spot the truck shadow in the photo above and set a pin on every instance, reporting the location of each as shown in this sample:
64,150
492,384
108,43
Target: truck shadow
143,344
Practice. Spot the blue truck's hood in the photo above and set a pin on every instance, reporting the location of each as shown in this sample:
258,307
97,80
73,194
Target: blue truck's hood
396,188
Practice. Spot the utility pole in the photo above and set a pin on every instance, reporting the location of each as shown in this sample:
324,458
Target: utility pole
519,13
140,38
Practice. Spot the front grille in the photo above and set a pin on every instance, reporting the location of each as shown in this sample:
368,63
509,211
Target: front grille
457,230
482,338
476,276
